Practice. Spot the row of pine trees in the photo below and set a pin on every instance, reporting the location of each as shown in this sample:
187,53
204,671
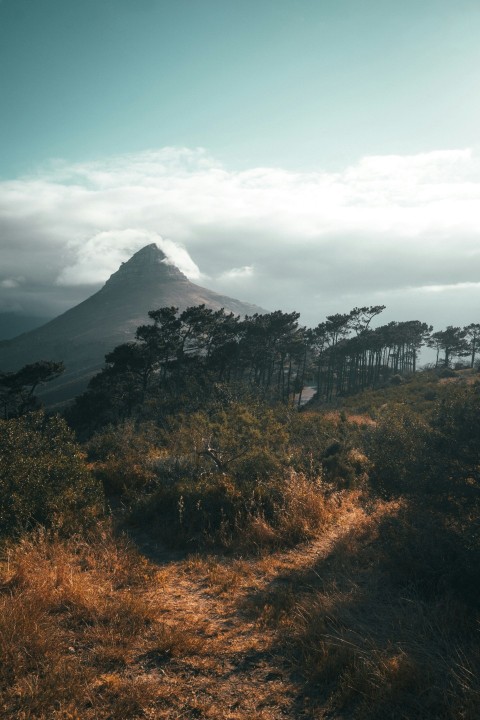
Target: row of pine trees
178,352
184,353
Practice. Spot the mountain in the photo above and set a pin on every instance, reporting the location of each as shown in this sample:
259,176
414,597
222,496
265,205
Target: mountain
83,335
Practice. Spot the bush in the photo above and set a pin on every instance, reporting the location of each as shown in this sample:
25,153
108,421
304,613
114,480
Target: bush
399,449
215,509
446,373
424,550
124,458
43,477
225,437
396,380
457,422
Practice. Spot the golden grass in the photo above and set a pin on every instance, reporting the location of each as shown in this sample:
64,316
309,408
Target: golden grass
75,622
367,647
332,627
225,577
353,418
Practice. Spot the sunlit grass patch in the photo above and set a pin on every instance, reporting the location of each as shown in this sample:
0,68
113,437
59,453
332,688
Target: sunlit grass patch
372,644
77,620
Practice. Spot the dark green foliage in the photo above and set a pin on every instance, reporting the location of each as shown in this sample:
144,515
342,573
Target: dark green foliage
436,453
433,464
452,342
227,474
457,424
218,509
346,364
432,550
177,363
472,337
17,388
415,392
177,360
399,449
446,372
124,458
43,477
206,509
226,437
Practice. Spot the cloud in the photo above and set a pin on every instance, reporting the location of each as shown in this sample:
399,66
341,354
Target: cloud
385,229
103,253
455,287
238,273
12,282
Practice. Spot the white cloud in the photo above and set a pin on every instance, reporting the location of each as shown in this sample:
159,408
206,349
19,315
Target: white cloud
103,253
238,273
12,282
455,287
386,227
177,255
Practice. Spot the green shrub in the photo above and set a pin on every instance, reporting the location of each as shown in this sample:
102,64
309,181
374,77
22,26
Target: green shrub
123,457
422,549
396,380
457,424
43,477
399,450
226,436
446,373
220,510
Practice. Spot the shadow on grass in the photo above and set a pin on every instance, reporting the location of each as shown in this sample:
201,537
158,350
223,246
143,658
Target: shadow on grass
385,625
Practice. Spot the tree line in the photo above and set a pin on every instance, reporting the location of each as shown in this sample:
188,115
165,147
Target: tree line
186,353
180,354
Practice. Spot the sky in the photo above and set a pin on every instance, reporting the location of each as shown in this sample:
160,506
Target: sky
309,155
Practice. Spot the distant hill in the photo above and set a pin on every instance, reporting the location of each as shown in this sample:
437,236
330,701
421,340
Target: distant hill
13,324
83,335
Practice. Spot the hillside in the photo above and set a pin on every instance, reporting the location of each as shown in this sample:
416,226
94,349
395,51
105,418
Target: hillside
83,335
328,569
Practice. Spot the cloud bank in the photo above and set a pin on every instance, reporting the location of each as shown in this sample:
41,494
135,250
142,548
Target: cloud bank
398,230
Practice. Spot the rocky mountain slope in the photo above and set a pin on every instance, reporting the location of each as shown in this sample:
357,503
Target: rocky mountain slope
83,335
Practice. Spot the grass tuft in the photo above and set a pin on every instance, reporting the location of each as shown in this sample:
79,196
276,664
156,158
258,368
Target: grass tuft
77,619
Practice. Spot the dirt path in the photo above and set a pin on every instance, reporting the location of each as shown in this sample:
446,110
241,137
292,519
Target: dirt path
227,664
234,672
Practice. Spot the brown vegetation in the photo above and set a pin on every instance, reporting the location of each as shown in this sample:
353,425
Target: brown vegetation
90,629
78,624
280,564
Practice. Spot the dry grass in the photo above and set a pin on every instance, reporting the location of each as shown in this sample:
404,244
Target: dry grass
369,643
225,577
333,627
219,511
354,418
386,656
75,622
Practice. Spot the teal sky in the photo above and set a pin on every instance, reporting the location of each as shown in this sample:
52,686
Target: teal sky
308,155
299,84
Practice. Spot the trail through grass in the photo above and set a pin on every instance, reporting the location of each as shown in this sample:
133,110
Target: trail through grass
96,631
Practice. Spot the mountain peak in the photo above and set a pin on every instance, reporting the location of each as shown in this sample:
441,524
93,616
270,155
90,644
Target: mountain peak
149,253
149,263
84,334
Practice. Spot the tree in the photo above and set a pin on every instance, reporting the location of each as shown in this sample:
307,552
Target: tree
360,318
272,351
17,389
452,341
473,338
